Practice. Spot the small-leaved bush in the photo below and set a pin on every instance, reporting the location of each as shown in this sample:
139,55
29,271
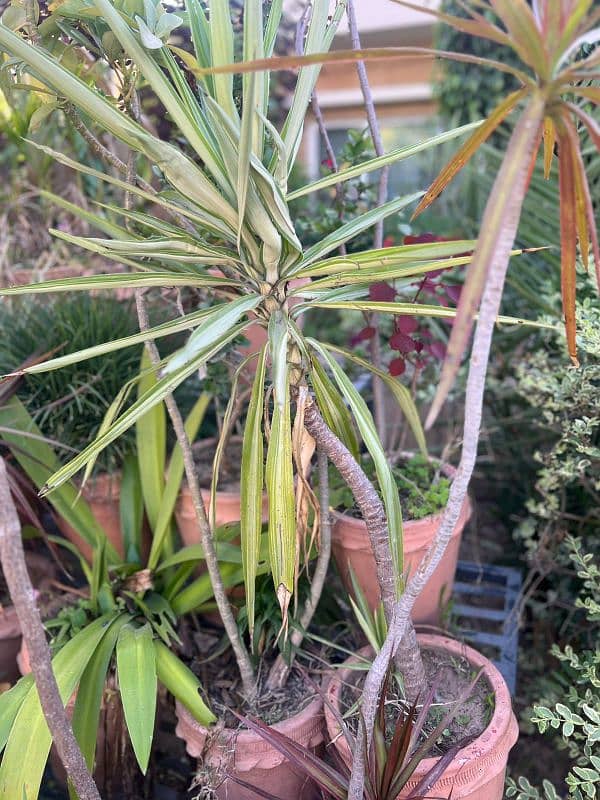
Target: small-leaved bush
571,709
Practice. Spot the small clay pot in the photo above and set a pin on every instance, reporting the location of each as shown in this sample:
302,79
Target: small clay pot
41,570
477,771
227,504
102,493
351,548
248,756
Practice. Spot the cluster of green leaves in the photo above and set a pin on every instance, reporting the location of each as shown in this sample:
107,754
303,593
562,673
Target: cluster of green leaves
69,405
422,489
568,404
127,623
572,710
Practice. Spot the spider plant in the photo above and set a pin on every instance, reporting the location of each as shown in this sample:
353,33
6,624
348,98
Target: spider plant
126,624
225,190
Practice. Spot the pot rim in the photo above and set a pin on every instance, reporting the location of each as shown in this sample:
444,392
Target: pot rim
502,724
249,737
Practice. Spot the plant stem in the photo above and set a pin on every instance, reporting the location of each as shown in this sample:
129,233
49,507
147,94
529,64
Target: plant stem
281,669
408,659
382,193
523,140
206,536
23,596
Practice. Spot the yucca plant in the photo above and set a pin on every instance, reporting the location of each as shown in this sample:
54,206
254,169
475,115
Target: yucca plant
225,194
231,213
547,38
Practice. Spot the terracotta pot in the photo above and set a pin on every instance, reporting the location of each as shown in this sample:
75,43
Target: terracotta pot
102,493
41,570
477,771
248,756
228,505
351,548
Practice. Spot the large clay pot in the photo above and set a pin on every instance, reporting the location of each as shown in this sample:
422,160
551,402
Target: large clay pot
248,756
351,548
41,570
102,493
477,771
227,504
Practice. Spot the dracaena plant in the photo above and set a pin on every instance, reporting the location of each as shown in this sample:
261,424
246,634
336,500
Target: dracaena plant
224,191
556,80
126,624
395,753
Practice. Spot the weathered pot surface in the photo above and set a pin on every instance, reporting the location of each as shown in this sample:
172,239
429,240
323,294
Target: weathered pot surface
252,759
477,771
351,548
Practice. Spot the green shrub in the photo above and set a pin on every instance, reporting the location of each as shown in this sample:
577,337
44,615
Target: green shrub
570,709
69,404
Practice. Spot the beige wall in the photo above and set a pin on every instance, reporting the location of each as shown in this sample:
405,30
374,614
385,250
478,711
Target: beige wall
402,89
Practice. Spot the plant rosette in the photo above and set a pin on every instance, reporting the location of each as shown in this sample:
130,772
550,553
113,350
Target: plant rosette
352,552
242,752
477,770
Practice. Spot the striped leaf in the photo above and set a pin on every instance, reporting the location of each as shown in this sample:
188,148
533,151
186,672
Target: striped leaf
351,229
252,487
373,164
217,322
166,385
279,475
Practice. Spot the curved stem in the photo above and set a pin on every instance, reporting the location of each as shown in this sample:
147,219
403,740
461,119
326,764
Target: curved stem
408,657
206,537
502,212
23,596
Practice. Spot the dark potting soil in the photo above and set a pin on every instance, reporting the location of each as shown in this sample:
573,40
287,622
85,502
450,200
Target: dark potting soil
219,676
452,675
229,470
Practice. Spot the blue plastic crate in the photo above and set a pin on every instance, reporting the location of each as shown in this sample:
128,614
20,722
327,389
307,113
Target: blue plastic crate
484,612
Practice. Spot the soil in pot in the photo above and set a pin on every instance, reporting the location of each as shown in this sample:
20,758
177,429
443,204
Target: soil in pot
230,748
228,502
423,489
486,720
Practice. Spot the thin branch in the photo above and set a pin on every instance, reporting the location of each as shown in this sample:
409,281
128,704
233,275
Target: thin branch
280,669
408,659
206,536
339,189
382,193
23,597
526,134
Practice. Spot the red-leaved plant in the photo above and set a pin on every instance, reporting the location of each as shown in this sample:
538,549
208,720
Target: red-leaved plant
391,761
